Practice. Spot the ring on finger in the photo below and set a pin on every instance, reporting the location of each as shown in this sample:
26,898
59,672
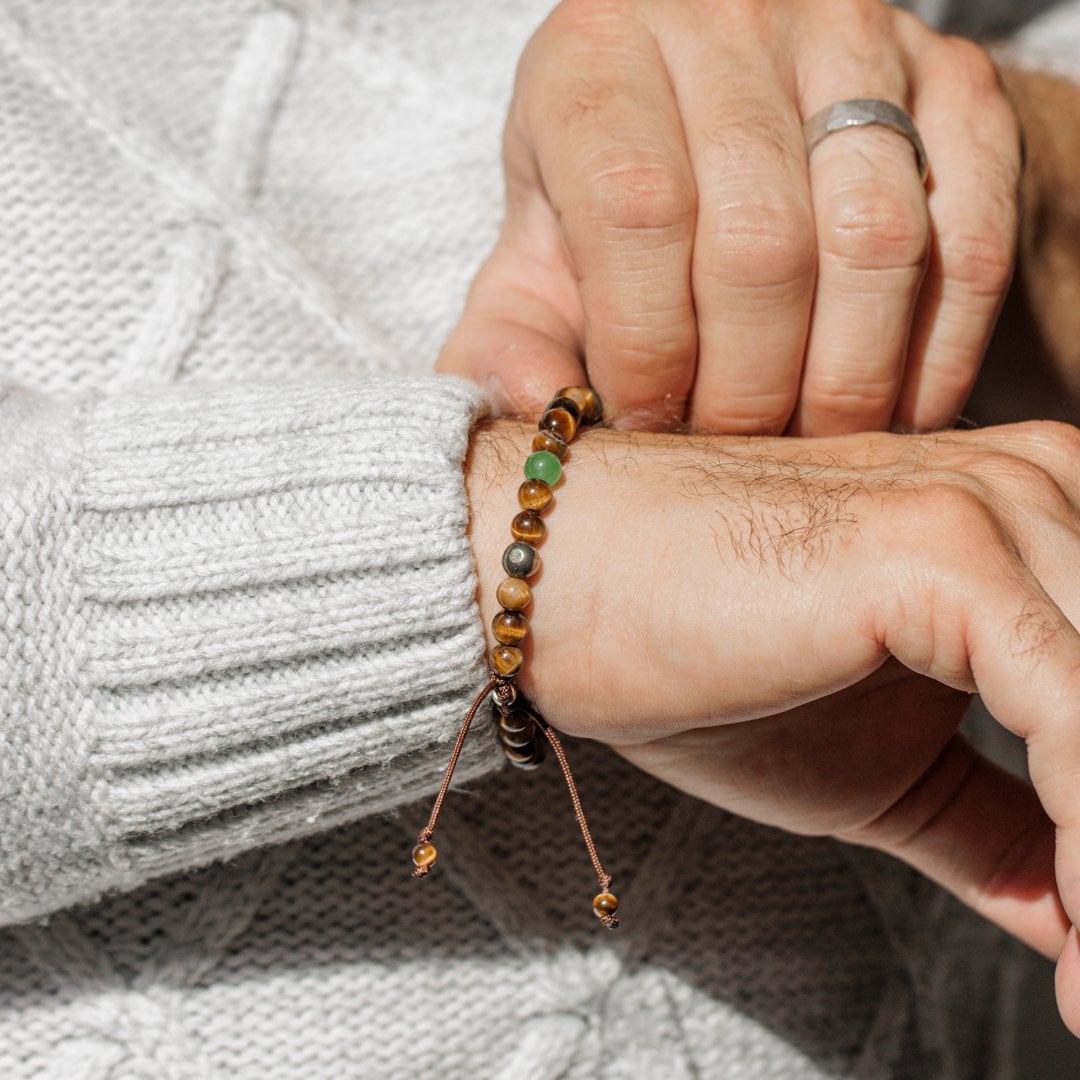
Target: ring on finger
859,112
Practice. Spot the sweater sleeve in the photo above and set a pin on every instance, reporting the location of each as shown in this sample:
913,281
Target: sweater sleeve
230,615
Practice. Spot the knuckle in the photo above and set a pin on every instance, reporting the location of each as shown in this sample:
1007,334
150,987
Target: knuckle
982,263
758,245
639,192
973,67
762,413
873,228
836,398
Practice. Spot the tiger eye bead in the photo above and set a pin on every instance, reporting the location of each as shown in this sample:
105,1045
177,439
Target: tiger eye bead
521,560
424,854
510,627
587,401
605,904
528,526
535,495
543,465
507,660
561,422
549,441
514,594
568,404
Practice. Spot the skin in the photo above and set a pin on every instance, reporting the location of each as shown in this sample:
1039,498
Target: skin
667,238
790,629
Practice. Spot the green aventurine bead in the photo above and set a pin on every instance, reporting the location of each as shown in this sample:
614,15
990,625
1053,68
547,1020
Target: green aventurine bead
543,465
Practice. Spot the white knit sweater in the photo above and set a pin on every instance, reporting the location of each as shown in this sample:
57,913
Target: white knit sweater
237,625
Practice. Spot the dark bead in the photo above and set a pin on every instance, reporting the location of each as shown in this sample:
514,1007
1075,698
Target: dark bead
510,627
424,854
587,401
507,660
523,760
569,404
605,903
521,560
516,722
525,741
514,594
535,495
528,526
560,422
549,441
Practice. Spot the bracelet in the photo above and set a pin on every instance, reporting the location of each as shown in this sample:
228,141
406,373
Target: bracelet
518,723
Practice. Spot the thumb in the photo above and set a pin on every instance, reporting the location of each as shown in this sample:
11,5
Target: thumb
513,339
982,834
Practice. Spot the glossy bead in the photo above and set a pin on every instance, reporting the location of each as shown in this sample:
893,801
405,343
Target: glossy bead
569,404
507,660
510,627
543,465
605,903
514,594
561,422
517,722
424,854
524,760
521,559
535,495
587,401
524,741
549,441
528,526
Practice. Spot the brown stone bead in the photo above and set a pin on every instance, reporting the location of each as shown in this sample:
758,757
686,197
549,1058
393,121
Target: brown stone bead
525,760
568,404
510,627
516,722
528,526
560,422
424,854
507,660
587,401
514,594
605,903
535,495
549,441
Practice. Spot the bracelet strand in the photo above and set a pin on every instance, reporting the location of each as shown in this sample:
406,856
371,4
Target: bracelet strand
522,731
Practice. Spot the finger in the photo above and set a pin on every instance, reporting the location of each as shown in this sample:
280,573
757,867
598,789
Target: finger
608,142
754,255
873,236
514,339
973,144
983,835
1068,982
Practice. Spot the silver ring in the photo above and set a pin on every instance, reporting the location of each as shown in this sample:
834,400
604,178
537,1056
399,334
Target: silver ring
857,113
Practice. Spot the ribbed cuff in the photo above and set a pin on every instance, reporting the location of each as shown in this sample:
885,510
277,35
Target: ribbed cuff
279,601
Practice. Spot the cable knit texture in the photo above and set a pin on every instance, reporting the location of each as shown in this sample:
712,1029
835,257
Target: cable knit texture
237,618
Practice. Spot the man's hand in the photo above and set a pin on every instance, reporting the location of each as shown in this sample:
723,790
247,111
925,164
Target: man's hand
664,221
702,598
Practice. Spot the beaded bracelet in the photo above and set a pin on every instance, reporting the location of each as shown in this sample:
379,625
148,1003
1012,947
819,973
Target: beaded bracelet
519,725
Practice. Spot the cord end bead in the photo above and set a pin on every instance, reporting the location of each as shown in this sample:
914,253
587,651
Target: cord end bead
606,905
423,857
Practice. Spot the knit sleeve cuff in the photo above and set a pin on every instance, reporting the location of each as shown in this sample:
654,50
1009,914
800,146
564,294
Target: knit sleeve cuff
279,599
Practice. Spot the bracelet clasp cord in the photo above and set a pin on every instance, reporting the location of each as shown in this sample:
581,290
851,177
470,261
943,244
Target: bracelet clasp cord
518,724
